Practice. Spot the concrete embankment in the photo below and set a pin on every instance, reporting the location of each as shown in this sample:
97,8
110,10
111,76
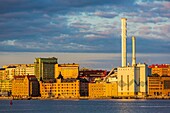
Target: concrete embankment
87,98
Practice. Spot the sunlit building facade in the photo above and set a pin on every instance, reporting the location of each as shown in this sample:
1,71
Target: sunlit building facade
12,70
128,81
160,69
2,74
158,86
61,88
25,86
24,69
9,72
5,87
102,90
67,70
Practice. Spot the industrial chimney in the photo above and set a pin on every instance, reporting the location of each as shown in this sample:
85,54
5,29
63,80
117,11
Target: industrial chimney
124,34
133,51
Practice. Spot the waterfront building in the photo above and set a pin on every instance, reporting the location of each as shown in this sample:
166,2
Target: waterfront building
158,86
143,74
132,79
84,89
25,86
24,69
9,72
2,73
67,70
128,81
45,68
5,87
61,88
102,89
12,70
160,69
92,75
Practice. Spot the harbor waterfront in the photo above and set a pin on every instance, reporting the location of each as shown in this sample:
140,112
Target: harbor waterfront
85,106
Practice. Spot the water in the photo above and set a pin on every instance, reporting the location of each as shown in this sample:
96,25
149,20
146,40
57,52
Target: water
85,106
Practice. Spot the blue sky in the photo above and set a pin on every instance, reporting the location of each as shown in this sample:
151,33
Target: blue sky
83,25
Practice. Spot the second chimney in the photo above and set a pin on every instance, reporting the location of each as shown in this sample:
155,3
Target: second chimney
133,51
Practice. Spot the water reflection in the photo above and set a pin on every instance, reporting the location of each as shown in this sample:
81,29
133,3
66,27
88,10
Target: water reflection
86,106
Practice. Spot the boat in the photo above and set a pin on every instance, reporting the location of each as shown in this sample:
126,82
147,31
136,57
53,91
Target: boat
11,102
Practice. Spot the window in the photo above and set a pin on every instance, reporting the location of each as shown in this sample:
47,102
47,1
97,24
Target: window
121,82
127,82
166,84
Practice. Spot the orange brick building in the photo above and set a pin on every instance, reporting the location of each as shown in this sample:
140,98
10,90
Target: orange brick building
25,86
161,70
159,86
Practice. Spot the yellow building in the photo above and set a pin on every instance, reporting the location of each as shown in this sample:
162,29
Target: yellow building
25,86
67,70
2,74
62,88
24,69
5,87
103,89
158,86
9,72
17,70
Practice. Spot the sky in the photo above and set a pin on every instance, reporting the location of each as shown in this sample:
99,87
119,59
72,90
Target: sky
99,61
91,26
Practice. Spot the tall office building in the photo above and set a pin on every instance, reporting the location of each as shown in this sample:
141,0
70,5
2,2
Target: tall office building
45,68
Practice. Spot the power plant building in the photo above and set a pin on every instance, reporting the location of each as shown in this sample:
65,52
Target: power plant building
132,79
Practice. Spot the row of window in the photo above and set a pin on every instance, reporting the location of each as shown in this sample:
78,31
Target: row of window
60,93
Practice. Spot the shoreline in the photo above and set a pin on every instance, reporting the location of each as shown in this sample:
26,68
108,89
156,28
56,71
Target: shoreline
90,98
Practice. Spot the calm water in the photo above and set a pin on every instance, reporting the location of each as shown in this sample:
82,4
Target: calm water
85,106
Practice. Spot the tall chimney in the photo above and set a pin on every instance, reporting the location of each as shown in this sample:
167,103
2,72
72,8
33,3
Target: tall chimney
133,51
124,34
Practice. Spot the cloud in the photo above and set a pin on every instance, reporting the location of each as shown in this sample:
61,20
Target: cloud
105,14
81,26
8,43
